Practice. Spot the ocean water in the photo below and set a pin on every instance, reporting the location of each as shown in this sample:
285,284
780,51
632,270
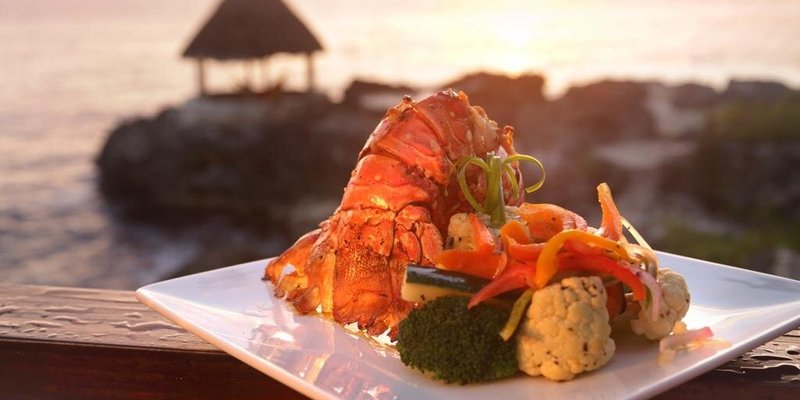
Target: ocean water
71,69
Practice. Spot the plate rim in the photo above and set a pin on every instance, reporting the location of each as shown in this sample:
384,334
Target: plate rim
284,377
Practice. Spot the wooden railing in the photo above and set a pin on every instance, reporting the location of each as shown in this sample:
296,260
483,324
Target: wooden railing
68,343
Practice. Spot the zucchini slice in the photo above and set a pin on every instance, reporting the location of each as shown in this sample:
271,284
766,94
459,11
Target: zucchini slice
423,284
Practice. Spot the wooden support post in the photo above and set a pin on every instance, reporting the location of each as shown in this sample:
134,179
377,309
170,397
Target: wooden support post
248,75
263,69
201,77
310,72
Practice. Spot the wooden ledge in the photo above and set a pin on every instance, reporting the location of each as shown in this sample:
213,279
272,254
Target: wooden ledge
69,343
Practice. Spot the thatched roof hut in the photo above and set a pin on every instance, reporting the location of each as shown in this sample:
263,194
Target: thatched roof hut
252,30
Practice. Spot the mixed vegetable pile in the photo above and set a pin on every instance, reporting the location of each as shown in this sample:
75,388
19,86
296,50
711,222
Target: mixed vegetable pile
535,288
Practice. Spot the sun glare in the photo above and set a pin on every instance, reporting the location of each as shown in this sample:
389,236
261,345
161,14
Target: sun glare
514,34
515,30
514,63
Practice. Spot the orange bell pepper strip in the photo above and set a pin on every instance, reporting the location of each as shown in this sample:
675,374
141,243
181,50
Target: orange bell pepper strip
524,252
575,246
516,276
484,241
513,229
484,265
546,220
517,242
606,266
547,263
612,220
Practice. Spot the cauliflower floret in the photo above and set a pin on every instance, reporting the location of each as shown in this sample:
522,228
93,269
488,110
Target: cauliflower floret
566,331
674,304
459,232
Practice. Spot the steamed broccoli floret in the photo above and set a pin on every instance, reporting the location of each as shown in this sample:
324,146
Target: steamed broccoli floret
457,345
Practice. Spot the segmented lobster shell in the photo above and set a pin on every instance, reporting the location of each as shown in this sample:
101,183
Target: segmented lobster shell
394,211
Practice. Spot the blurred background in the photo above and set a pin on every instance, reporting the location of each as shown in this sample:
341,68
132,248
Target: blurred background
142,139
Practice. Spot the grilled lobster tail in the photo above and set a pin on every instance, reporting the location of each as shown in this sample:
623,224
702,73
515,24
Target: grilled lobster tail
395,207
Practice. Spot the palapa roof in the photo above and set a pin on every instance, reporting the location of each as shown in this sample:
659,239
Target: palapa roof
242,29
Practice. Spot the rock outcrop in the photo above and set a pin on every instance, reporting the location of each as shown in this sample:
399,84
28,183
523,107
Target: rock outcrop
688,152
242,158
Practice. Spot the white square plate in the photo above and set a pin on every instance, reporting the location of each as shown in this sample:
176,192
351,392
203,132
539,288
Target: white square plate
236,311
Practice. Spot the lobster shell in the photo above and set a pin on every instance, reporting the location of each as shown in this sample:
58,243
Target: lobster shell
394,211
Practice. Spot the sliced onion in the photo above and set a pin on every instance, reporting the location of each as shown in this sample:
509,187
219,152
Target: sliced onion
643,256
636,235
655,291
676,341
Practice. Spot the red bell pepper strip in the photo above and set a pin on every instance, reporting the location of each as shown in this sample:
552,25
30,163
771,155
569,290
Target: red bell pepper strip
517,275
484,241
605,266
615,302
547,264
